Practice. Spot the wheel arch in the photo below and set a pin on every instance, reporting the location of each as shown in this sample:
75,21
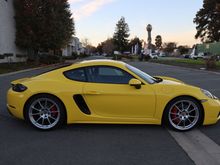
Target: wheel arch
177,97
48,94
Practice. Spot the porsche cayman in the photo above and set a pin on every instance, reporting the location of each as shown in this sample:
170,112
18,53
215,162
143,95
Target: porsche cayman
106,91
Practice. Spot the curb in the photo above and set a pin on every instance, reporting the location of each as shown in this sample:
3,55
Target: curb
36,68
27,70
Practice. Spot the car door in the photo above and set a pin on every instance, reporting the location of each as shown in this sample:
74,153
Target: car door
108,94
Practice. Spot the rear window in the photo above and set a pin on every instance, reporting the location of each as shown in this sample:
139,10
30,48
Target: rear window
76,74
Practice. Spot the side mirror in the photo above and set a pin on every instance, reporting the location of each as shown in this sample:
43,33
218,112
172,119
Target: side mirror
135,83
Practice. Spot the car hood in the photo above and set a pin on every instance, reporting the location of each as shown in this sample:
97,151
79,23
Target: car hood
170,80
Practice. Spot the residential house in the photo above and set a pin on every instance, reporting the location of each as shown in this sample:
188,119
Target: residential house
74,46
8,50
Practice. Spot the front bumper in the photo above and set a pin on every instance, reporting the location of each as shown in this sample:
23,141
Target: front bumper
211,111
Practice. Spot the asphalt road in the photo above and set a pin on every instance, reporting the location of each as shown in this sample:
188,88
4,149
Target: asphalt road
98,144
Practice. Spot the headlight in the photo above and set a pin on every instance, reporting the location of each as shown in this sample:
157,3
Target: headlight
208,94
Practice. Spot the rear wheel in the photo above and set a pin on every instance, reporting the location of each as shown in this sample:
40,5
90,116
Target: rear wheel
45,112
183,114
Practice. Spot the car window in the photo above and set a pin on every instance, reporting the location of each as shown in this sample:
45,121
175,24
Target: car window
141,74
76,74
108,74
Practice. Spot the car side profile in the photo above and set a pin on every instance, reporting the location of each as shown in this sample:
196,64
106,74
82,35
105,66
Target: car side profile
106,91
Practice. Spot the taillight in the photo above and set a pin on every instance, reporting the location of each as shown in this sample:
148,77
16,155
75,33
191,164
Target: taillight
18,87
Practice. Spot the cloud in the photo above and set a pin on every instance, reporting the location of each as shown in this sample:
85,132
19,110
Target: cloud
88,8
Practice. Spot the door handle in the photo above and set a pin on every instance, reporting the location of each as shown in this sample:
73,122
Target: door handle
93,92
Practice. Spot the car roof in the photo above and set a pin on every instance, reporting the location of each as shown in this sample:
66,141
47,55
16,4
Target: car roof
82,64
100,62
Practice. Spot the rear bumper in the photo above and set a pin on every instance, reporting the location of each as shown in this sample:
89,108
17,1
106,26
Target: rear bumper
15,103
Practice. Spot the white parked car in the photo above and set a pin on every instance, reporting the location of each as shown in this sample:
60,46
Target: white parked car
153,55
162,54
203,55
200,55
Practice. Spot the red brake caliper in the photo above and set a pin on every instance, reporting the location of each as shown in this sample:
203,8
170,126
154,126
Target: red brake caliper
54,111
174,115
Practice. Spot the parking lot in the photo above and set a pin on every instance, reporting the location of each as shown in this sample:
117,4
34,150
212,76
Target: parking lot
100,144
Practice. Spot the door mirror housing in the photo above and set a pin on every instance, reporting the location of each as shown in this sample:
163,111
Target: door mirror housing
135,83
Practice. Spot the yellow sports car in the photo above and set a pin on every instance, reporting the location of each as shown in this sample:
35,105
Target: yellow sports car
106,91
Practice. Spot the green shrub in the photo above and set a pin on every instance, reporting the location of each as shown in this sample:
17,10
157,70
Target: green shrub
21,55
83,55
8,54
49,59
147,58
211,62
2,56
117,57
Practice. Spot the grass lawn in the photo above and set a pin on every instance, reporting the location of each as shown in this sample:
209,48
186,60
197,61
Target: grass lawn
199,63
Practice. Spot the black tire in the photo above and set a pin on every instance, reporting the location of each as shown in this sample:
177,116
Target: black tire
45,109
183,114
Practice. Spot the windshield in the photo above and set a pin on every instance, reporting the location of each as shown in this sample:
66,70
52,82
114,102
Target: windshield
142,74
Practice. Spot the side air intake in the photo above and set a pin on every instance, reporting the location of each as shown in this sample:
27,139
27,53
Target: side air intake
80,102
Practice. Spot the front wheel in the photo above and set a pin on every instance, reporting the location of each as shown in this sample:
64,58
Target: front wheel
45,112
183,114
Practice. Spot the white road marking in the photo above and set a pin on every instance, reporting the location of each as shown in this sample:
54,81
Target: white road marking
200,148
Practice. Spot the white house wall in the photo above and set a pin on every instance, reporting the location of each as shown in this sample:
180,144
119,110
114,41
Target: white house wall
7,32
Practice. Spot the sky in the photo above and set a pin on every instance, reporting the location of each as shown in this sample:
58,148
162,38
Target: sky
172,19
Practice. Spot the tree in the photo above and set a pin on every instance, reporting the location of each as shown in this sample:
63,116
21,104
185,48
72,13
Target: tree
169,47
135,42
99,48
121,35
158,41
108,46
207,21
183,49
88,46
85,42
43,25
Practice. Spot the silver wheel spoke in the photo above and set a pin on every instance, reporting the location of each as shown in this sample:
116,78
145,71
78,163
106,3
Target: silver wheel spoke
38,119
39,110
192,116
48,120
34,114
45,103
187,109
51,107
178,108
179,122
175,118
52,117
192,110
40,105
184,123
189,120
42,121
182,106
173,113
